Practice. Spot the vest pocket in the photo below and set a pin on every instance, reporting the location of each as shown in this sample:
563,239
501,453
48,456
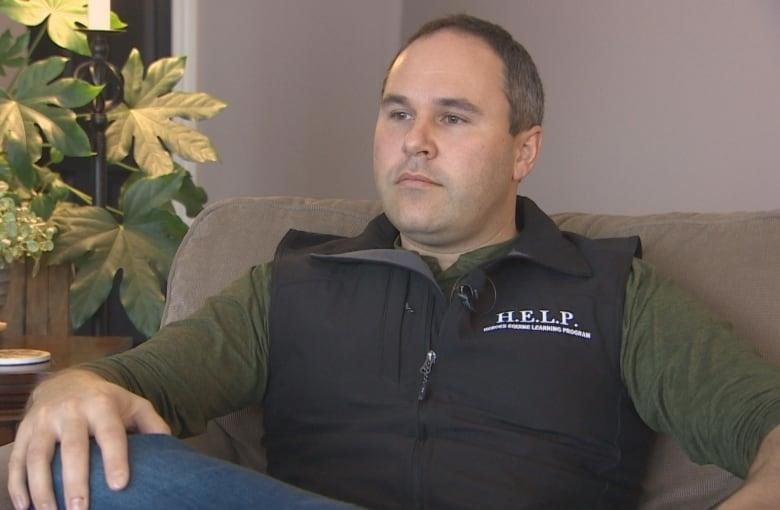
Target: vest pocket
398,314
406,328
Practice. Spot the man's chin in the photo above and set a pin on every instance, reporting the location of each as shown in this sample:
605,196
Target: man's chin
413,211
415,225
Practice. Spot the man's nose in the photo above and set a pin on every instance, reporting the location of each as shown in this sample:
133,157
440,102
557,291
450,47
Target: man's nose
419,139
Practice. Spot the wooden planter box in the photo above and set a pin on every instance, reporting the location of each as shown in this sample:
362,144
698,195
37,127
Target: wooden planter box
37,305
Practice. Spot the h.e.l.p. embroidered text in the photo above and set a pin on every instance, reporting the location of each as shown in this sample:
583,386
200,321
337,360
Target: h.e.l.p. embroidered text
542,321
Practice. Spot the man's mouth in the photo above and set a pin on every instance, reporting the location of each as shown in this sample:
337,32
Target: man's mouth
414,178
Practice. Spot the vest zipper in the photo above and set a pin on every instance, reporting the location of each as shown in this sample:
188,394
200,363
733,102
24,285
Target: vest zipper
422,433
425,370
420,448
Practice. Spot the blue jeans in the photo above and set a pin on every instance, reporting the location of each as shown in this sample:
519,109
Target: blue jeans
166,473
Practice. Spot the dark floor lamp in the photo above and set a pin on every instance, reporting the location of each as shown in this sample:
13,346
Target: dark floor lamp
99,71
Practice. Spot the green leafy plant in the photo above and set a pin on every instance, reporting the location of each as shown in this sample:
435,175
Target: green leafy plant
40,114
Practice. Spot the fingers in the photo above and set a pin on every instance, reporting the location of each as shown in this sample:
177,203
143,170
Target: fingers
17,471
131,413
111,435
39,454
64,409
147,421
112,438
67,409
74,455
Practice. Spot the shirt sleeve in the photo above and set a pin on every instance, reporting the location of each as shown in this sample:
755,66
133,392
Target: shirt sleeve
212,363
689,376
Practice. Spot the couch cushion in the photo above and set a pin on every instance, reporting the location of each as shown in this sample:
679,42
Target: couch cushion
731,262
230,236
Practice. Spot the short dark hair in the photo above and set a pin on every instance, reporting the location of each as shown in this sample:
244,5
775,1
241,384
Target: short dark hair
523,87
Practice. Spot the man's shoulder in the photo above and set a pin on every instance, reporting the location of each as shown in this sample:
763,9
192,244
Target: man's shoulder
379,233
300,241
631,244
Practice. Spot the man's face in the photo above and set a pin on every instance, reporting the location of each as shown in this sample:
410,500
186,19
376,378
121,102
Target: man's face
445,165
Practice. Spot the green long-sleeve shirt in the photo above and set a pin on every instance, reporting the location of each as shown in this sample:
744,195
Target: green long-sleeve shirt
684,369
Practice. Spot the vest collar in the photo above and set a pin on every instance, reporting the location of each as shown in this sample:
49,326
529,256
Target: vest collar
377,244
539,241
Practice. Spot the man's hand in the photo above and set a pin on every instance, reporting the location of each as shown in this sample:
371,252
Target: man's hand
762,485
67,409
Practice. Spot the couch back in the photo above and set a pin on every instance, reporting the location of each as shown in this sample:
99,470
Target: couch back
729,261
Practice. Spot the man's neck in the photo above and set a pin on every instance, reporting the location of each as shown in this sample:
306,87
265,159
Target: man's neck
447,256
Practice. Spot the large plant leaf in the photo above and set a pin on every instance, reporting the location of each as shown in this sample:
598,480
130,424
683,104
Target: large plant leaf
141,246
61,17
19,160
190,195
44,104
161,77
38,83
133,76
51,191
145,122
148,194
39,185
13,50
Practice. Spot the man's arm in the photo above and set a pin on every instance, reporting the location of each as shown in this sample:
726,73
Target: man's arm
761,490
689,376
208,365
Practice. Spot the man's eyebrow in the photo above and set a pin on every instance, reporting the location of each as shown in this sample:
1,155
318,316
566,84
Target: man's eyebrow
395,99
446,102
459,103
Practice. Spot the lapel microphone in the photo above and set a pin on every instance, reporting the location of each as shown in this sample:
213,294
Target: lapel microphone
476,296
468,296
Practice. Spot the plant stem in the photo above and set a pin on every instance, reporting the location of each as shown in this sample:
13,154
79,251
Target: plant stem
30,51
127,167
80,194
113,210
39,37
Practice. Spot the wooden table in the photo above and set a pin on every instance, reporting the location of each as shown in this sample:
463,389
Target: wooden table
66,351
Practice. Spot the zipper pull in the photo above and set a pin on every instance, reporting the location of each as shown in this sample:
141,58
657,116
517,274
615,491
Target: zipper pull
425,370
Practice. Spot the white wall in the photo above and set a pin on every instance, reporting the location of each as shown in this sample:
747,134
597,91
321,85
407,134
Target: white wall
302,80
652,105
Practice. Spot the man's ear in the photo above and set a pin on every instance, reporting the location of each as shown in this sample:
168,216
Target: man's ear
528,145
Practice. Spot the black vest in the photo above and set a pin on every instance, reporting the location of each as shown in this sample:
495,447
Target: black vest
386,393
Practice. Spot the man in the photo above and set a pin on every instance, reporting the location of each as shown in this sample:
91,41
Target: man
460,352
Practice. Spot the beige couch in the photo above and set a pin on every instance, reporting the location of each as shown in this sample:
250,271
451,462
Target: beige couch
730,261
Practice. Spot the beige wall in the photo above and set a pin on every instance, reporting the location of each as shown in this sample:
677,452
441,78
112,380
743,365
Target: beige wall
302,81
652,105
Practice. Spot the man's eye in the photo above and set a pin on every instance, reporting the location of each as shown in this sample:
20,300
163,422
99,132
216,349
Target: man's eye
453,119
400,115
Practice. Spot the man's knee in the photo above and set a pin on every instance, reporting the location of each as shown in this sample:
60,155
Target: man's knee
167,473
152,459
